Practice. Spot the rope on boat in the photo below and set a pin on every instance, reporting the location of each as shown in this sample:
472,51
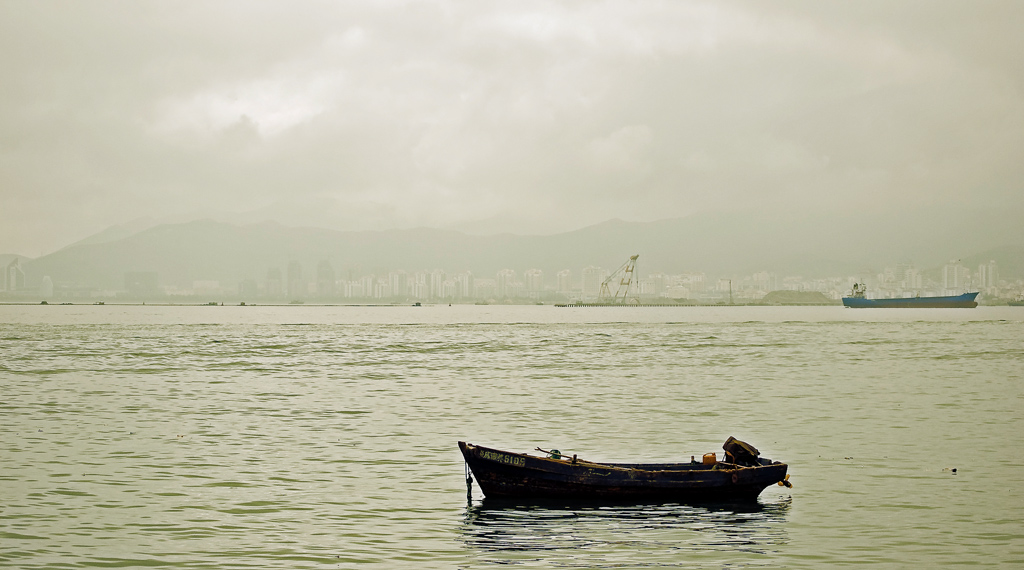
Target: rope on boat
469,482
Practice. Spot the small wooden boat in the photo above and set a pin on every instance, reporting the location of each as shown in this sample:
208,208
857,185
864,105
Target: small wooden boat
741,478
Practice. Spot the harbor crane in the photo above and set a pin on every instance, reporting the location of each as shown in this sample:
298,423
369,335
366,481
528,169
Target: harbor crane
626,282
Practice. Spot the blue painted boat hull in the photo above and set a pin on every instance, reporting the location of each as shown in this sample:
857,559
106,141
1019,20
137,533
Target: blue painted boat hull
965,301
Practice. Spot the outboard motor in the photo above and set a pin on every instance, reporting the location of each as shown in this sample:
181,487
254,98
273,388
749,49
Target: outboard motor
741,453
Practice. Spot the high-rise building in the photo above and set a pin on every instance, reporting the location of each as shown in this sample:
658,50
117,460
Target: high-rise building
296,285
399,283
564,281
437,279
46,289
646,287
592,278
274,286
954,276
381,289
325,279
697,282
506,283
766,281
14,277
448,290
988,275
913,279
485,288
464,286
367,286
354,289
534,280
420,285
659,281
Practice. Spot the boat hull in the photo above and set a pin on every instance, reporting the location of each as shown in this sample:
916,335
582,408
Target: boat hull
502,474
965,301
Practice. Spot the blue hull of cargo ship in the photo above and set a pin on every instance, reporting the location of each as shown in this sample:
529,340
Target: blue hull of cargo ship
965,301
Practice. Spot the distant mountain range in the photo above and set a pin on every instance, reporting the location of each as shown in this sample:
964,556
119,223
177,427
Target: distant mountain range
727,245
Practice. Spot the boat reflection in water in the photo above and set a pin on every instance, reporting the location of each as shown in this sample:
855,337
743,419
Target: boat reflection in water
610,535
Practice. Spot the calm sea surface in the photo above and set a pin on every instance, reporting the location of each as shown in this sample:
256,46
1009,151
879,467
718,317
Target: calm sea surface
325,437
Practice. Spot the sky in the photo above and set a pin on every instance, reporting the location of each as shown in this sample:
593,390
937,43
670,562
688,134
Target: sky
526,117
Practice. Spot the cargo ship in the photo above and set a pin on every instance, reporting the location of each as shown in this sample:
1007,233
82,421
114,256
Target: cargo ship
858,300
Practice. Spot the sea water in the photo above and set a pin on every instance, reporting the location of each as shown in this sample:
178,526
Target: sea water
325,437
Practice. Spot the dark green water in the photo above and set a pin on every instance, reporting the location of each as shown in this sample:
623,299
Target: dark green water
324,437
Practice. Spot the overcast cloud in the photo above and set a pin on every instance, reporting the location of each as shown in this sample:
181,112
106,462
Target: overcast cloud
533,117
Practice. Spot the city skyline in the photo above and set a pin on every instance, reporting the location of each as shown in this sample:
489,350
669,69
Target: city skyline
679,259
296,284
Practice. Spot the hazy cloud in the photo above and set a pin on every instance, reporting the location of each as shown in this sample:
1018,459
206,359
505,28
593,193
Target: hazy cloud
533,116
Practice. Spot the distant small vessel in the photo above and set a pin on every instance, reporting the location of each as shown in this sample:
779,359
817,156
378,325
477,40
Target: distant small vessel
1018,302
858,300
742,477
